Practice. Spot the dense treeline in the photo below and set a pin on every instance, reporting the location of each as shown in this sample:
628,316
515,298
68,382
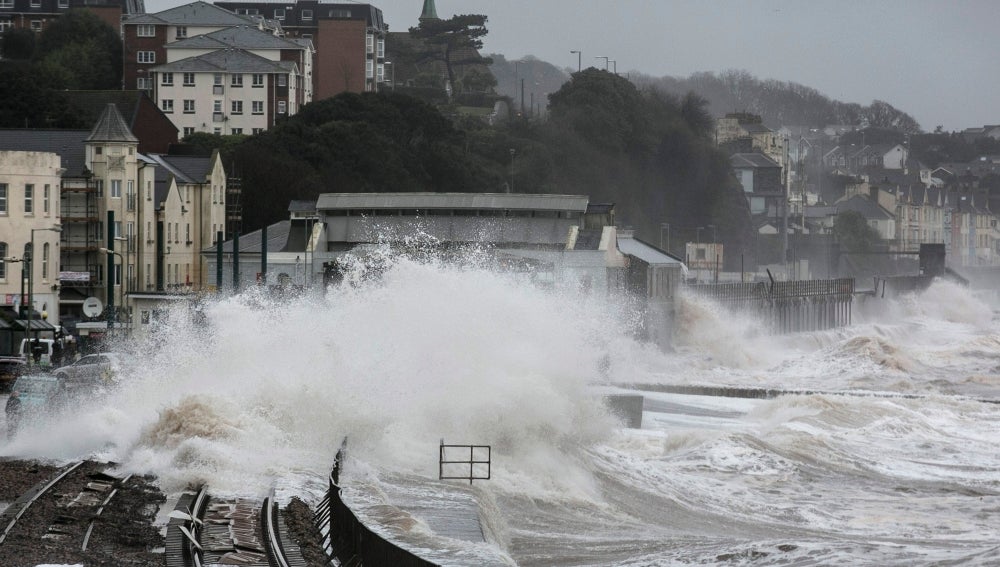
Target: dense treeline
648,152
782,103
77,51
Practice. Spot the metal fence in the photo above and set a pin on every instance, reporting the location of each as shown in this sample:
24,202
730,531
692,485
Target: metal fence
348,540
787,307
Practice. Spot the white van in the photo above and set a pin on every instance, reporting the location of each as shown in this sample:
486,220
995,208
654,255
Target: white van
25,353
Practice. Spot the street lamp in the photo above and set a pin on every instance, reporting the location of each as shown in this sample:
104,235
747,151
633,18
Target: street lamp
579,54
30,257
606,59
122,264
712,226
614,66
111,315
665,225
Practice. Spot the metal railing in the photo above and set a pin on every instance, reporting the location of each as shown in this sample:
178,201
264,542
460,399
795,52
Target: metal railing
457,463
347,539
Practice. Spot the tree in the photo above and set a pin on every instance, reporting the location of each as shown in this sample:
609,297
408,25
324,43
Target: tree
853,232
85,50
454,42
18,43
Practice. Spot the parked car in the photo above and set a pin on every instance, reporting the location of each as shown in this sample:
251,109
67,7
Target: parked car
33,395
91,370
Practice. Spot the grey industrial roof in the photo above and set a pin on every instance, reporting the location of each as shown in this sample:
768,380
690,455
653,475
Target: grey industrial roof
69,144
241,37
111,127
193,14
302,206
229,60
277,240
517,201
752,160
648,253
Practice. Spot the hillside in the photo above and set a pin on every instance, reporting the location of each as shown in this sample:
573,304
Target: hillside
777,102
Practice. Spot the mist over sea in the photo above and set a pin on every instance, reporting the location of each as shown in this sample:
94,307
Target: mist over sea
890,460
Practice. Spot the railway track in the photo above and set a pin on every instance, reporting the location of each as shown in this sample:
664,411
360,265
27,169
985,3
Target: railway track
63,518
230,531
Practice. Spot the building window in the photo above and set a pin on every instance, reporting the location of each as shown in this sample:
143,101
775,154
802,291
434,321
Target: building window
36,3
279,13
381,48
167,105
45,198
146,57
369,43
369,69
282,106
3,265
145,30
144,84
64,3
257,80
237,107
45,261
29,198
237,80
6,3
167,79
182,32
188,130
5,25
217,131
216,106
237,130
188,79
217,79
3,199
36,25
257,107
282,80
187,232
116,188
257,131
307,15
189,106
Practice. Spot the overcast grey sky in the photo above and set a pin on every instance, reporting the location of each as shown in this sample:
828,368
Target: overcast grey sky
935,59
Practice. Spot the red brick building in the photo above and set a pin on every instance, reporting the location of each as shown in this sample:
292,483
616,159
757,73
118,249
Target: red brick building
349,40
36,15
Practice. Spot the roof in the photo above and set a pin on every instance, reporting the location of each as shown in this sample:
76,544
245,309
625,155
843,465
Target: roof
277,240
187,169
240,37
517,201
743,161
589,239
292,17
302,206
644,251
230,60
755,128
193,14
111,127
69,144
865,206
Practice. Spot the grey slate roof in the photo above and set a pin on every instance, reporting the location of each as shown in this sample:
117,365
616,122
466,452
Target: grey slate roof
193,14
754,160
187,169
864,205
111,127
240,37
302,206
229,60
644,251
69,144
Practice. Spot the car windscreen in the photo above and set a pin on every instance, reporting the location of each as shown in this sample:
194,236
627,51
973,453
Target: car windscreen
34,385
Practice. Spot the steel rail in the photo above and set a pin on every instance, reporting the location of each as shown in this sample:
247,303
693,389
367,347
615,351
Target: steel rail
39,490
271,535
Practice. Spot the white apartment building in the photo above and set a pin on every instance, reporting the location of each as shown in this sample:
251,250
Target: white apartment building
228,91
